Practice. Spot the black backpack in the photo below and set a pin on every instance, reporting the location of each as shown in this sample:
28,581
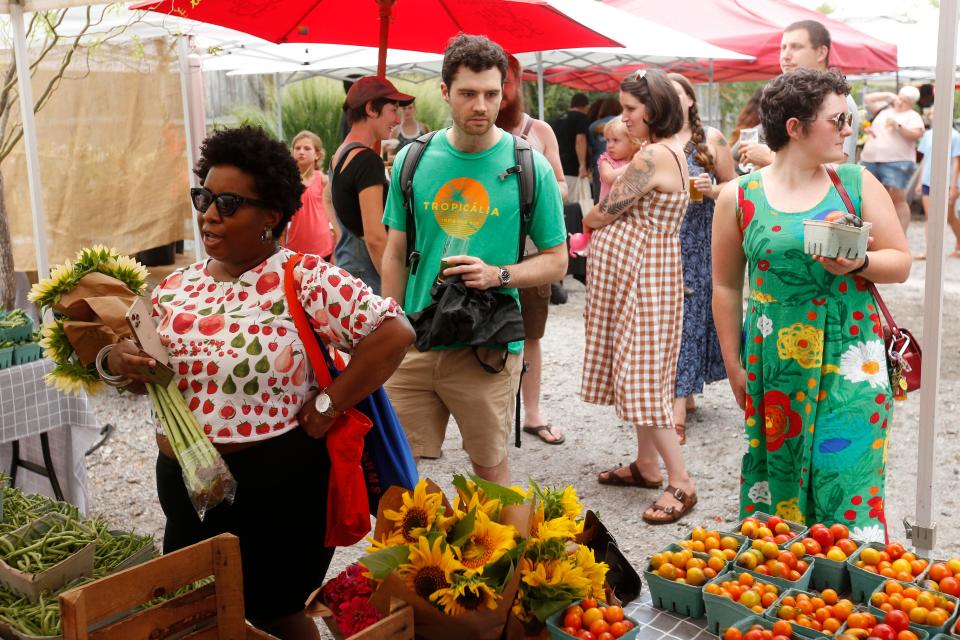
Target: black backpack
526,177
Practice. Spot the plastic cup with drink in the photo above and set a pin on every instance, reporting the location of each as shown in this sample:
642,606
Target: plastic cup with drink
452,246
750,135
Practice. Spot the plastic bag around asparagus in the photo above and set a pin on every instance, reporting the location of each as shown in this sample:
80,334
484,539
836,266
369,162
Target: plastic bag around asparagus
89,299
205,474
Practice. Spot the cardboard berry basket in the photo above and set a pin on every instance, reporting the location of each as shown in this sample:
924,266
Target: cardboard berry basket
555,624
745,624
799,530
671,595
77,565
931,630
804,632
832,574
920,633
722,612
862,582
743,540
802,584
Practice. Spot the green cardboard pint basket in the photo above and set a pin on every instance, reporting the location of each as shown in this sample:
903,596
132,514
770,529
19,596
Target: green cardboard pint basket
944,628
862,582
6,357
835,239
745,624
802,584
26,352
555,623
723,612
803,632
832,574
798,530
670,595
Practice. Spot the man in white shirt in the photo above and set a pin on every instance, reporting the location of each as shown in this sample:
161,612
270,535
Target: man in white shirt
804,45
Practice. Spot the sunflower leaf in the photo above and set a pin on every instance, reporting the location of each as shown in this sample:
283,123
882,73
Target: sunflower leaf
498,573
383,562
464,528
494,491
543,609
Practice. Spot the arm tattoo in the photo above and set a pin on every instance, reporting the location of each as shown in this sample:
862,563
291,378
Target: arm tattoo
631,185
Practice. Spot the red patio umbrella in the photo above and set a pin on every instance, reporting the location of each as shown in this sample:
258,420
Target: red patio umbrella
754,27
417,25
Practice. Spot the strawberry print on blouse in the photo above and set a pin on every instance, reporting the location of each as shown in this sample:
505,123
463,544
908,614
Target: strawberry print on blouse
238,359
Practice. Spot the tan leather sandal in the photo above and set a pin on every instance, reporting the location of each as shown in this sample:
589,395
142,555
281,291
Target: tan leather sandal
672,514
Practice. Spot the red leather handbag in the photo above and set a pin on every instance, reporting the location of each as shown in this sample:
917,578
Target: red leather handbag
903,350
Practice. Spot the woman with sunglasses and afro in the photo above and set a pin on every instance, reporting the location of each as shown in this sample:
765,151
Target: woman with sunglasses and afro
806,363
242,369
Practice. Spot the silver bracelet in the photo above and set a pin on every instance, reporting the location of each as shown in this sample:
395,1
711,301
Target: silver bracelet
106,376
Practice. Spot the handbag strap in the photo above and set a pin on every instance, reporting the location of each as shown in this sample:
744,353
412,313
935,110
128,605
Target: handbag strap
848,203
307,336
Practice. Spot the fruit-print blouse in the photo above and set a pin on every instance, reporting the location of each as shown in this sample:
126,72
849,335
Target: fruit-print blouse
235,351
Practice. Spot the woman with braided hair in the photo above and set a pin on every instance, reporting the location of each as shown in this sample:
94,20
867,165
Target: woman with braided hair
710,166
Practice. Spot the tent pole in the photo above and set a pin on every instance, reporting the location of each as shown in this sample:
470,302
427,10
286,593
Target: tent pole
539,85
278,98
185,98
386,6
924,532
29,125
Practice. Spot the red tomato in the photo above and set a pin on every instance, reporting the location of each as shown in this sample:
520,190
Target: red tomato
753,634
812,546
884,632
822,535
573,620
897,620
599,626
950,586
839,531
583,634
588,603
617,629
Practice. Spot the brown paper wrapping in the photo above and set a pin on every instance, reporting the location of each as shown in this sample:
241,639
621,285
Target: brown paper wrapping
429,622
97,311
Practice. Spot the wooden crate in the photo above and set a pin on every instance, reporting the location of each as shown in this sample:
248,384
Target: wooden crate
212,612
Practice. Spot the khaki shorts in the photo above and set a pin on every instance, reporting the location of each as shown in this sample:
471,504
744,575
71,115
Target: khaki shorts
430,387
534,306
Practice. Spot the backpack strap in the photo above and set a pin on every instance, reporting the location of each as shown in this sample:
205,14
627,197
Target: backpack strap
409,167
346,152
527,125
527,182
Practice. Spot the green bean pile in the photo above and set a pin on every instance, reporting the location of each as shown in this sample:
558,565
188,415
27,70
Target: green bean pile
114,547
33,618
21,508
47,543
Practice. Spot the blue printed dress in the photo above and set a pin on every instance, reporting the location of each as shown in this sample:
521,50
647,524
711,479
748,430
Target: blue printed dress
700,358
819,402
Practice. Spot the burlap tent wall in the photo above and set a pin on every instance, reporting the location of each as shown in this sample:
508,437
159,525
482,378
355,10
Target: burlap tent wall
112,155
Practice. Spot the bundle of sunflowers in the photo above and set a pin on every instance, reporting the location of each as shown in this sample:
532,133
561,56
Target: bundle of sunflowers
497,558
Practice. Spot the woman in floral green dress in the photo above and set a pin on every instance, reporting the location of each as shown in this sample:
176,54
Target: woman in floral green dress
807,365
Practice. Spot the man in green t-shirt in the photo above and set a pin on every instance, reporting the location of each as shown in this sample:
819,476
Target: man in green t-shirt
459,192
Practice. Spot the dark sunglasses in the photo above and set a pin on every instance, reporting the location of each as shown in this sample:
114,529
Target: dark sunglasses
841,120
227,203
638,75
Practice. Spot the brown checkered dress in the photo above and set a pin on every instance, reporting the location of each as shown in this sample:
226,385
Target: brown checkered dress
634,310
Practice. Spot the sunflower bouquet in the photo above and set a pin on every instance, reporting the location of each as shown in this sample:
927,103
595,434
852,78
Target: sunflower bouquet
456,565
554,568
88,299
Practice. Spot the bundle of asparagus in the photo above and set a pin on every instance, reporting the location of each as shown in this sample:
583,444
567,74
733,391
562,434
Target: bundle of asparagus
205,474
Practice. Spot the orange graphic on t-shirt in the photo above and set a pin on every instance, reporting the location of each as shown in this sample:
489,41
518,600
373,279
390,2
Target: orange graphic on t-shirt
461,207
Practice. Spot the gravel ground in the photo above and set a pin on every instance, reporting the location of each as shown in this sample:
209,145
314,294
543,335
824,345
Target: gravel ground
121,473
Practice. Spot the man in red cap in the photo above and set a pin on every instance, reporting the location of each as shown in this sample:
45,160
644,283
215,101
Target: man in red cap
358,179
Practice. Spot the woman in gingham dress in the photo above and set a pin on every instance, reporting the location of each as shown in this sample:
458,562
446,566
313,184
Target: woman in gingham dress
634,308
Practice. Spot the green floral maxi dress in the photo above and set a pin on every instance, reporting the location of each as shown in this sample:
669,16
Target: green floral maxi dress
819,402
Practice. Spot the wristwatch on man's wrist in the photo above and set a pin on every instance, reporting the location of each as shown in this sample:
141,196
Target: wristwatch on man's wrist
324,405
504,276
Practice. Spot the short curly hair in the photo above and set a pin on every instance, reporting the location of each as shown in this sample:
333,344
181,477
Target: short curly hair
276,176
798,94
664,114
477,53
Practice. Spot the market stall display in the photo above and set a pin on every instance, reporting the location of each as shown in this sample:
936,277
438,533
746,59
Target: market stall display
47,548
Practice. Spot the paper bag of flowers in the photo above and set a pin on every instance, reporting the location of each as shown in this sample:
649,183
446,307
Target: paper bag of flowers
554,569
89,299
456,565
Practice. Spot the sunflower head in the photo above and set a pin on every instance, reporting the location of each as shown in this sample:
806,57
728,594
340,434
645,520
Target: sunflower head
54,341
73,378
430,567
128,271
417,514
487,542
595,571
465,593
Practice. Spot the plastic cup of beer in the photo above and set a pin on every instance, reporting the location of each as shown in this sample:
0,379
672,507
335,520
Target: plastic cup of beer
695,194
749,135
452,246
